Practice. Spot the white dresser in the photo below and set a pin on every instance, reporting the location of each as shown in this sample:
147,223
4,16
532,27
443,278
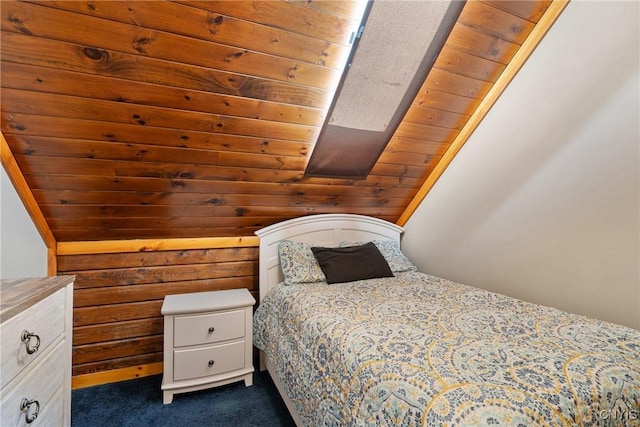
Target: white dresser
36,318
207,340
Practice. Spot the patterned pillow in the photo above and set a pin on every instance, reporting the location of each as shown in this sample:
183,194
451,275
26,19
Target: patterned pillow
298,263
390,249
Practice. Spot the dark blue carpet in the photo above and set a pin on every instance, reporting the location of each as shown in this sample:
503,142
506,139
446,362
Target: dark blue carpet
139,403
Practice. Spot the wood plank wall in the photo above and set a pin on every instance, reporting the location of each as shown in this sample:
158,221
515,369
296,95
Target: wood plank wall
117,324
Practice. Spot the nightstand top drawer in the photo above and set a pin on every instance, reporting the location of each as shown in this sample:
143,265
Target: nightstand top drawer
199,302
208,328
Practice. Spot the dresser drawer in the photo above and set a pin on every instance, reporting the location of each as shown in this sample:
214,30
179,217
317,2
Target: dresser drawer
50,415
46,319
196,363
208,328
43,384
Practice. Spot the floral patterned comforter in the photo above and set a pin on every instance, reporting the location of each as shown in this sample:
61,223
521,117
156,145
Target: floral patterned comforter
420,350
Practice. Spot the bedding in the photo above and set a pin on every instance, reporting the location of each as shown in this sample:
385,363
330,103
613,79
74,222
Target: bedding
415,349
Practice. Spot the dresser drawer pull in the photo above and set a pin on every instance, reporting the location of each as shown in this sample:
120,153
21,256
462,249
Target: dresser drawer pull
26,339
25,406
211,362
211,329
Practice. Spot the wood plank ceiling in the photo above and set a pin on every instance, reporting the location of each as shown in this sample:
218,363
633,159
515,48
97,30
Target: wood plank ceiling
164,119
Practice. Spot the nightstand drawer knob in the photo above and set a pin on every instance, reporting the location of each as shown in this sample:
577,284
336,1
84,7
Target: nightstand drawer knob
211,329
211,362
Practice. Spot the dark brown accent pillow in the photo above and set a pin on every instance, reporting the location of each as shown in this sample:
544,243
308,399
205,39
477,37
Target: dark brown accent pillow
352,263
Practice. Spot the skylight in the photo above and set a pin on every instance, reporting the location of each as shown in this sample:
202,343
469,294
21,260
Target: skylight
395,50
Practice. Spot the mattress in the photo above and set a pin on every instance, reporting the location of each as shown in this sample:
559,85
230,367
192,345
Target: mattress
420,350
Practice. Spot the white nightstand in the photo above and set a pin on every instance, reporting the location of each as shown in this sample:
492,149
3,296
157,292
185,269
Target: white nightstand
207,340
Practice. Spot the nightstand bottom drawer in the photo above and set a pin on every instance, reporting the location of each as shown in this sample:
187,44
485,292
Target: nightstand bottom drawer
208,361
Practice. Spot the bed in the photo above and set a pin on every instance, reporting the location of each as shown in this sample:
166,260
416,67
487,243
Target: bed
412,349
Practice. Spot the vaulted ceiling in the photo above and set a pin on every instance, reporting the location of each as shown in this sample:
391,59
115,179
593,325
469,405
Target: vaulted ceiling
164,119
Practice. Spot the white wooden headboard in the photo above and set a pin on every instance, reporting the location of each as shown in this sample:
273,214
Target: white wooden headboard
324,230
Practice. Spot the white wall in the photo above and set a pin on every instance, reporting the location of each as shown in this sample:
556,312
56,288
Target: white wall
543,201
23,253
